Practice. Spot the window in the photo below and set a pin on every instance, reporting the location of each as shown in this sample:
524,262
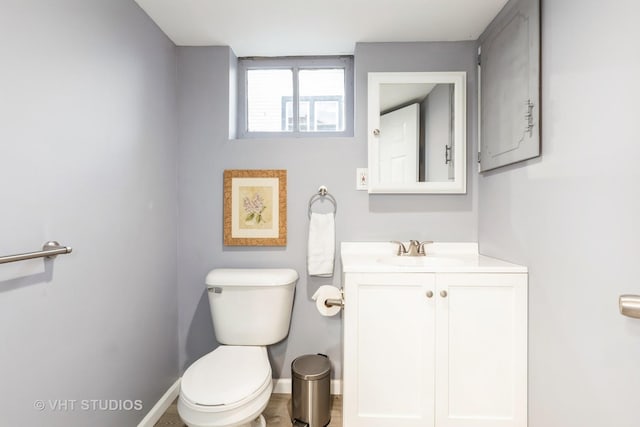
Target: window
295,96
316,114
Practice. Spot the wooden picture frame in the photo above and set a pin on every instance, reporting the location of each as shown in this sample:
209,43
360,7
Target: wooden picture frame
255,207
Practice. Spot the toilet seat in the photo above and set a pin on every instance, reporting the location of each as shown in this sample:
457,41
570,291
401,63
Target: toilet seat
226,378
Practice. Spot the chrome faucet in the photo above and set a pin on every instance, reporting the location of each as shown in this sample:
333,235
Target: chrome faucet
416,248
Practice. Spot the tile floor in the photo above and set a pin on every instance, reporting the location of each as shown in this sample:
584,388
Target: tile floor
277,414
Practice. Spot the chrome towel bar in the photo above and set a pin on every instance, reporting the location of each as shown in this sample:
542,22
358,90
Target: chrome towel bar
49,250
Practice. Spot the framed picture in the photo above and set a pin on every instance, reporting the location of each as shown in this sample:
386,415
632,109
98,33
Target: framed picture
255,207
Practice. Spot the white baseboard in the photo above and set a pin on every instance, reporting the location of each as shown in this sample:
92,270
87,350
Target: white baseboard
283,385
161,406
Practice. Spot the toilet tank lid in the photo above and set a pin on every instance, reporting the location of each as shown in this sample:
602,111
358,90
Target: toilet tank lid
251,277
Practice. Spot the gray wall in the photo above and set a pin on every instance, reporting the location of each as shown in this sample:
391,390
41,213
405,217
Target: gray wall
205,151
572,217
87,156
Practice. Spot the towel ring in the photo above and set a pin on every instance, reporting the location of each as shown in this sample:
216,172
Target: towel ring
322,193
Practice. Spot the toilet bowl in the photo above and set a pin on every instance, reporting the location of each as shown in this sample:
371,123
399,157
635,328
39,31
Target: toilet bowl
231,386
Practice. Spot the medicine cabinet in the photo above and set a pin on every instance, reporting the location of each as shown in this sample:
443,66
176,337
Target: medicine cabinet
417,132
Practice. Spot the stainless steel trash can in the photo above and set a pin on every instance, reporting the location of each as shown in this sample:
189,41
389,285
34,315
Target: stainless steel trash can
310,392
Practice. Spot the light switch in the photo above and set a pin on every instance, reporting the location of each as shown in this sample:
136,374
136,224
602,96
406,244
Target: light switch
362,178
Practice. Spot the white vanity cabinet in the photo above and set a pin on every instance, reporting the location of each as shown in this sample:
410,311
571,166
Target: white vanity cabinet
443,349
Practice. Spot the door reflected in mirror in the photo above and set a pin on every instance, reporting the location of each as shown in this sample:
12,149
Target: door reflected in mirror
417,132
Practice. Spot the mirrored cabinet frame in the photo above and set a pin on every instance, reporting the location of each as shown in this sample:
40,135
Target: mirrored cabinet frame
456,185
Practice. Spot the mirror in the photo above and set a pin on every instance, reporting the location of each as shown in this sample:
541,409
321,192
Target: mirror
417,132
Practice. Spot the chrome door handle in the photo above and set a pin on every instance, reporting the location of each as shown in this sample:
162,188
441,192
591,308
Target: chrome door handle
630,305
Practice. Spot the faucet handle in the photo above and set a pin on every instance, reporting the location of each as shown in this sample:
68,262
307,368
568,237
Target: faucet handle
421,249
401,249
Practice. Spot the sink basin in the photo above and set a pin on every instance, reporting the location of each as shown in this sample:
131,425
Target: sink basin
419,261
442,257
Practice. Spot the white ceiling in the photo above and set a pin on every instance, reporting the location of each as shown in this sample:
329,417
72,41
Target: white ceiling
393,95
320,27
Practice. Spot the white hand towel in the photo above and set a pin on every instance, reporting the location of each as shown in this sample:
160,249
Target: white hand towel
322,244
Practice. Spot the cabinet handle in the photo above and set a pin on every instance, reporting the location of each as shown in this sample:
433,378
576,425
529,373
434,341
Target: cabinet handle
429,294
443,294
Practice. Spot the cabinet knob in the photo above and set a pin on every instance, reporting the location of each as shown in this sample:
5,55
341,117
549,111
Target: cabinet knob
376,132
429,294
443,294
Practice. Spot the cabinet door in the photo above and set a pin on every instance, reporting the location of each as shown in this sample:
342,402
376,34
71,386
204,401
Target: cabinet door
388,350
510,86
481,356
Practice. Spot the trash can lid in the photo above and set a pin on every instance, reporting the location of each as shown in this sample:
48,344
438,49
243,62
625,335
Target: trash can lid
311,367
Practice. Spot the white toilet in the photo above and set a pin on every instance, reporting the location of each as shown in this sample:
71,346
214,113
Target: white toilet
231,386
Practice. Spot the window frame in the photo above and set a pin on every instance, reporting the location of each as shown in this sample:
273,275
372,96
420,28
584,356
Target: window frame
295,63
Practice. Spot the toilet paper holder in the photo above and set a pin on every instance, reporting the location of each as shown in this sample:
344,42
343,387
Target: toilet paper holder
630,305
332,302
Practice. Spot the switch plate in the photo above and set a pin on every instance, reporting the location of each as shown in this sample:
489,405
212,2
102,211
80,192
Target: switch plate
362,178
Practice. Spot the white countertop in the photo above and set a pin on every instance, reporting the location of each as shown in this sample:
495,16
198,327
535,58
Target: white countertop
442,257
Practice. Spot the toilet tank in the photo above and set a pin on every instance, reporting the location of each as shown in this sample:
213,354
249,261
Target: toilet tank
251,306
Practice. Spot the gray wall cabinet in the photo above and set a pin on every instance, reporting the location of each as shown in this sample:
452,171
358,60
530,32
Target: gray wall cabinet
509,69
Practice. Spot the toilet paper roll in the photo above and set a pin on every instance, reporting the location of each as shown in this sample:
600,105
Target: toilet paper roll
322,294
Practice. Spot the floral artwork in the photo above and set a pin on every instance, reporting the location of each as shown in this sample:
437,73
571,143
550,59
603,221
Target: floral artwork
255,207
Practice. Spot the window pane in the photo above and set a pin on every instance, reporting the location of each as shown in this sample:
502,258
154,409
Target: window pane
327,115
269,92
323,89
